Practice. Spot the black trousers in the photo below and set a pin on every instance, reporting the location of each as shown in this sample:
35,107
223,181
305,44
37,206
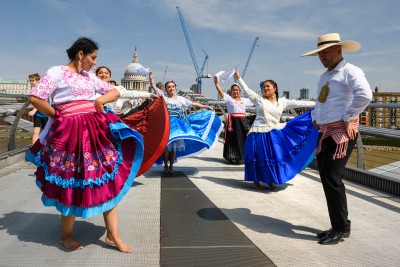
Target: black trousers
331,173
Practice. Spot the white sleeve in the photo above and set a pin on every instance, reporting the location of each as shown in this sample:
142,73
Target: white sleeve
292,103
361,91
135,94
247,91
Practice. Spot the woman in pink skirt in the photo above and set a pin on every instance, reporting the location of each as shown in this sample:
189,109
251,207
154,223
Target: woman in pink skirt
86,157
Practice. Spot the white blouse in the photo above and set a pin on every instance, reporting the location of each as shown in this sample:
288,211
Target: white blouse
236,106
268,114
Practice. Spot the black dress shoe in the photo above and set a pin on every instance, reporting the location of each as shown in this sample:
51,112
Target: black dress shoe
333,237
324,234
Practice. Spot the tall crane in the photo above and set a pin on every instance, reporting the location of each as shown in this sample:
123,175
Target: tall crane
249,57
199,72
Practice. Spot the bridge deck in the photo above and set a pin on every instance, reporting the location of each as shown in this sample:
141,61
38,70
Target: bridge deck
205,215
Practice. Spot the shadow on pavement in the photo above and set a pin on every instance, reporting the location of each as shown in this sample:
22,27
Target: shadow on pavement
260,223
44,229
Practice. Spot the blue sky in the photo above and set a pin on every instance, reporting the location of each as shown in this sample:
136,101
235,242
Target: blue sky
36,33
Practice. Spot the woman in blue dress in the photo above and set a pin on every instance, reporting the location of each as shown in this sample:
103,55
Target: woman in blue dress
275,152
189,135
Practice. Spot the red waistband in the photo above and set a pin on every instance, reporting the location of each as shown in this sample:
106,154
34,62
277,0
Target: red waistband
238,115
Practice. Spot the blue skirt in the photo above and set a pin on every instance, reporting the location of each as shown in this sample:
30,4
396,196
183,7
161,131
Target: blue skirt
277,156
193,134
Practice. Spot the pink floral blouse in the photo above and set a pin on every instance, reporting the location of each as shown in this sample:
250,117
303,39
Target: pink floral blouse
63,85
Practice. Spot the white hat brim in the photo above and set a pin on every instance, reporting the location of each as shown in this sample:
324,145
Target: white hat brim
347,46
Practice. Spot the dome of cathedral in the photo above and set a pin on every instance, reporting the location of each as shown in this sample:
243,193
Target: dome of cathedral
133,80
130,70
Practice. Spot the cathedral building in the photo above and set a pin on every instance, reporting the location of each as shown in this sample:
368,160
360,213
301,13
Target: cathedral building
132,79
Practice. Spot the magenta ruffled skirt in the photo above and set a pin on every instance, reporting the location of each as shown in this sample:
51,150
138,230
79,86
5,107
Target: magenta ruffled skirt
86,163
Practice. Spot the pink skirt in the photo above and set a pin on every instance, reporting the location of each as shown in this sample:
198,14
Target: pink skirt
86,162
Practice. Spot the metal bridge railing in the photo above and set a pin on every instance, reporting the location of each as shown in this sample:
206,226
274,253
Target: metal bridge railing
375,161
15,125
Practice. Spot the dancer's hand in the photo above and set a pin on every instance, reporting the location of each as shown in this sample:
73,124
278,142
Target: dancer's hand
237,74
98,105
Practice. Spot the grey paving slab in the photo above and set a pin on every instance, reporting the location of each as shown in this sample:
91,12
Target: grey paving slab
281,223
30,232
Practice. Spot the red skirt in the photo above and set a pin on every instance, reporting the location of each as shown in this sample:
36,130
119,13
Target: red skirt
151,119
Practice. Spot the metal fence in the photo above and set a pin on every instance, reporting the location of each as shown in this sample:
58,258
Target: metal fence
15,125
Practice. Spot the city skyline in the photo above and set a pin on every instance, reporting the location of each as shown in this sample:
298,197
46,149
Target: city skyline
39,31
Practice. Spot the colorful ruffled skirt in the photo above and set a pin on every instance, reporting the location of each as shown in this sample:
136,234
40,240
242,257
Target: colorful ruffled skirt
86,162
192,134
279,155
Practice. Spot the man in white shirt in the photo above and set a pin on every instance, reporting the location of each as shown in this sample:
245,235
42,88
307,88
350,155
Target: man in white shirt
343,93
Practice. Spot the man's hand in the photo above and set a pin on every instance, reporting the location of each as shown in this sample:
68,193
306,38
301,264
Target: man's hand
351,128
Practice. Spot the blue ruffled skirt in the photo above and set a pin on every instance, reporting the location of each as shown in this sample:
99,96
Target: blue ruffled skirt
192,134
277,156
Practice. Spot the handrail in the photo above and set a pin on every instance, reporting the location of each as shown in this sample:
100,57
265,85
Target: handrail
11,140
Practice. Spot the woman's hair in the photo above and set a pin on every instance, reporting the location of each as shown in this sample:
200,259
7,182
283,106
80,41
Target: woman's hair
165,86
274,84
102,67
85,44
235,84
34,76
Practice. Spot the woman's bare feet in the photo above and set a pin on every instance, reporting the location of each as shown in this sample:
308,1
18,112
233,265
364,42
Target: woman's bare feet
165,168
120,245
71,243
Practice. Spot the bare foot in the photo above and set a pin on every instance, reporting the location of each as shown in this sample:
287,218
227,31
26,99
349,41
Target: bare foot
171,170
120,245
71,243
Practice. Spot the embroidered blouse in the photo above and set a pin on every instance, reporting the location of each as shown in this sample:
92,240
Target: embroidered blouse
268,114
179,102
63,85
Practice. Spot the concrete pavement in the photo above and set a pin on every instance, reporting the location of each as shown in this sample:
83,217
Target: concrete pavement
281,224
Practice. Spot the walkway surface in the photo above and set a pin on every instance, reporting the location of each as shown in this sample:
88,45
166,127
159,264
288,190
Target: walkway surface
203,215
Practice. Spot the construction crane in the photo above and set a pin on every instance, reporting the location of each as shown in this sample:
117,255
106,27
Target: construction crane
199,72
251,53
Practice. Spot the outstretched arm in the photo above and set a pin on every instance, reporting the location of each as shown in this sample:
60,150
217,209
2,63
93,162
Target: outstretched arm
220,91
153,86
197,104
247,91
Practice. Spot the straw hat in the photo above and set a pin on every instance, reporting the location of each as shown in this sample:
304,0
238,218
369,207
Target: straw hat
331,39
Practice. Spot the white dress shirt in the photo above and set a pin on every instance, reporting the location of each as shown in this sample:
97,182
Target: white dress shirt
349,94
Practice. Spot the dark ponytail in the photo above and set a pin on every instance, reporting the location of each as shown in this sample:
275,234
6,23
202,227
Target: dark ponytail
85,44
